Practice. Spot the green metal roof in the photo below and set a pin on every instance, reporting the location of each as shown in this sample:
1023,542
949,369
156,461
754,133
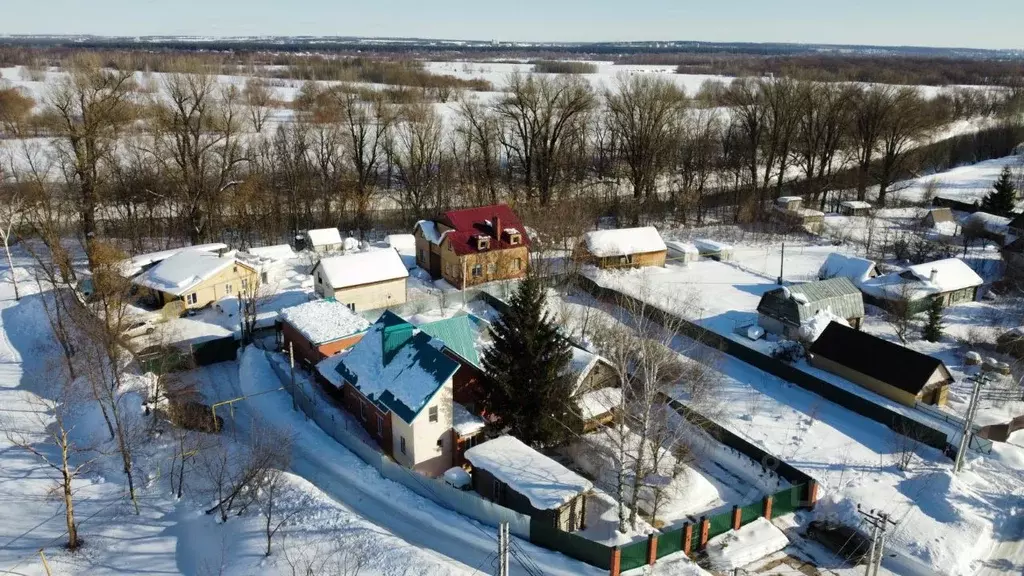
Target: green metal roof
458,334
838,295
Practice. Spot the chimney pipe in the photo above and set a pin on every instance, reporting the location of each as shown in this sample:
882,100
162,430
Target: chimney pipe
496,223
934,275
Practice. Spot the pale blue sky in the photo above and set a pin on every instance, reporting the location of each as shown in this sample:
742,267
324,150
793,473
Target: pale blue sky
981,24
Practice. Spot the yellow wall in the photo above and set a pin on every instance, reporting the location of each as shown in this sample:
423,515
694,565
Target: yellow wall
504,261
877,386
217,286
368,296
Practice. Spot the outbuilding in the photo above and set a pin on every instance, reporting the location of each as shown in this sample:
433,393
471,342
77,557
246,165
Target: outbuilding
854,269
623,248
941,221
787,311
324,240
518,477
886,368
682,252
321,328
854,208
362,280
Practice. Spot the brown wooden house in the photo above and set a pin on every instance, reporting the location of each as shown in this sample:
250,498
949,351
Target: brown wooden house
473,246
622,248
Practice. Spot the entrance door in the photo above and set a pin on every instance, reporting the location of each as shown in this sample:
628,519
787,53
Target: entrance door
435,265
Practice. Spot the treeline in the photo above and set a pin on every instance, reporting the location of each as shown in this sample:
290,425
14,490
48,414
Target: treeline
193,160
563,67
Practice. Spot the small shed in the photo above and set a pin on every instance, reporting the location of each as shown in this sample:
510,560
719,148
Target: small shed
941,221
789,202
625,247
682,252
324,240
886,368
518,477
856,270
989,226
319,329
787,310
854,208
715,250
789,211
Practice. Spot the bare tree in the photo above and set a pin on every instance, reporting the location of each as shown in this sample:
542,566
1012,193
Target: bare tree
233,477
71,458
824,118
416,151
899,311
904,442
365,126
252,295
478,132
13,205
259,97
322,556
909,121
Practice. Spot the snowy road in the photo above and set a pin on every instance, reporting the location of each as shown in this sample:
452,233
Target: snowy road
351,482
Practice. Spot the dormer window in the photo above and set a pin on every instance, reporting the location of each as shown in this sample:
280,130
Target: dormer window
483,242
514,238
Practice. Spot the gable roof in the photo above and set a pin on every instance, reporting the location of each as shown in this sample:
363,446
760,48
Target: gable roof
359,268
914,283
458,334
324,236
608,243
1017,222
898,366
408,378
141,262
546,483
184,271
468,223
857,270
322,321
940,215
582,362
799,303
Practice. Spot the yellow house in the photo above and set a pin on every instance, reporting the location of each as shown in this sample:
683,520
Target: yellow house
197,278
362,280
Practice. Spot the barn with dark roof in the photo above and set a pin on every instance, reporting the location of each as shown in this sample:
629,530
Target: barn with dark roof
886,368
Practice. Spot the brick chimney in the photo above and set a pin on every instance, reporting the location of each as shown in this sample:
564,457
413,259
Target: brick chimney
496,223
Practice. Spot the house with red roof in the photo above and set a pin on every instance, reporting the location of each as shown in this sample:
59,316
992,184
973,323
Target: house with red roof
472,246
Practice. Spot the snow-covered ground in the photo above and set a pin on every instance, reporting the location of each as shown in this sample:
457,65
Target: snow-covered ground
965,183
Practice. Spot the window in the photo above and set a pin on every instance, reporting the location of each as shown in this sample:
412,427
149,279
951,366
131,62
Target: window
401,441
517,264
191,298
362,410
490,268
380,426
264,278
514,239
440,443
227,288
319,280
245,283
483,242
432,414
478,271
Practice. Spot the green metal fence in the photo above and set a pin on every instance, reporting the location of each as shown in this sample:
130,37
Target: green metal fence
213,351
788,500
719,524
571,545
751,512
670,542
633,555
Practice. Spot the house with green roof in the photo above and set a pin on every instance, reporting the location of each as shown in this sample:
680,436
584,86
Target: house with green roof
399,381
796,311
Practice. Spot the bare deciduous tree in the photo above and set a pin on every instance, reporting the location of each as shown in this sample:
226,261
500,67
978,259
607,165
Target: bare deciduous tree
259,97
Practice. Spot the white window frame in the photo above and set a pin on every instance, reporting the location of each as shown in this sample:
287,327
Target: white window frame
433,414
401,444
191,298
478,270
227,288
380,426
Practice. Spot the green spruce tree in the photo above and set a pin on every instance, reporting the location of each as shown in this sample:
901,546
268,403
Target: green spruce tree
527,365
1003,197
933,327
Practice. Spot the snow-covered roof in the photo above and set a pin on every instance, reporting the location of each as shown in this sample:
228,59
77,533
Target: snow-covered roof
812,329
323,321
275,253
324,236
464,422
915,282
361,268
988,222
706,246
598,402
788,199
606,243
407,378
546,483
855,204
684,247
134,265
857,270
430,231
183,271
402,242
580,365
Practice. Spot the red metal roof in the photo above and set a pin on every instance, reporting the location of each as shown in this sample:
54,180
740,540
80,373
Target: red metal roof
472,222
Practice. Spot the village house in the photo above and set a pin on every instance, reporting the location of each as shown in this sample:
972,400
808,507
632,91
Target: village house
854,269
950,280
987,226
622,248
941,221
397,381
362,280
896,372
594,389
324,240
789,211
196,278
518,477
473,246
318,329
854,208
140,263
794,311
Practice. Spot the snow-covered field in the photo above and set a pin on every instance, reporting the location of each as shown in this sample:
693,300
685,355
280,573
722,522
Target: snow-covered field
965,183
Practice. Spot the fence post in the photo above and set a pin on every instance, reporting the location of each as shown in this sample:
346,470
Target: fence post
768,500
652,548
736,517
812,492
705,525
615,566
687,538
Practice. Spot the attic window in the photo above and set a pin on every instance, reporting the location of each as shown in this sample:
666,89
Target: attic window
514,238
483,242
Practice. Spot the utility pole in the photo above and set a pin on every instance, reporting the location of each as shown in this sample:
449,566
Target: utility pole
291,362
979,380
503,546
879,522
782,263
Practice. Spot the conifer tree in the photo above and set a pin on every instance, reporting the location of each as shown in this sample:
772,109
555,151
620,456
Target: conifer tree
527,370
933,328
1003,197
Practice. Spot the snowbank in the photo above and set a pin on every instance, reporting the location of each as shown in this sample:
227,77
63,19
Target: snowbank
812,329
750,543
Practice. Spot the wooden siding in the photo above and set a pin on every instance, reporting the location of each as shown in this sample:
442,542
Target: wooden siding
214,287
569,517
628,261
881,388
504,262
